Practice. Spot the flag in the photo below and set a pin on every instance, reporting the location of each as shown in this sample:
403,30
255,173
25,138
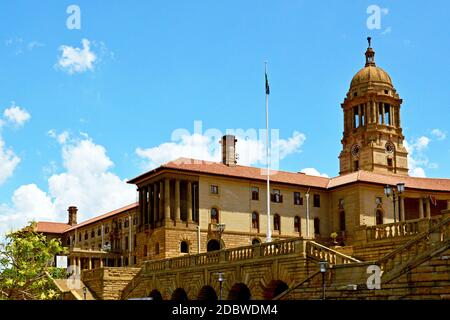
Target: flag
267,84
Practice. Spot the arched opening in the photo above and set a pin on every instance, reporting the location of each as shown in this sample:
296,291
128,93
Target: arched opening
184,247
214,215
379,217
207,293
275,288
255,220
256,242
239,292
297,224
213,245
156,295
179,295
342,220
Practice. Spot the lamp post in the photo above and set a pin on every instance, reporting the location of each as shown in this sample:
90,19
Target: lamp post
323,267
84,292
220,229
221,279
395,193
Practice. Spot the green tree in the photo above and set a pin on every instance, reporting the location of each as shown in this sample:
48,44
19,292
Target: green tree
26,265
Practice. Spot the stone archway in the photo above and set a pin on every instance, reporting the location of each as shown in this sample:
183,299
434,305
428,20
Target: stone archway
274,288
207,293
179,295
156,295
239,292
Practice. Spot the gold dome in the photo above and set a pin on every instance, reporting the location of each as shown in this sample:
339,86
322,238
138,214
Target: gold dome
373,74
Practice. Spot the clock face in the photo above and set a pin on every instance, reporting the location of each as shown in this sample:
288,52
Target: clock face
355,150
390,148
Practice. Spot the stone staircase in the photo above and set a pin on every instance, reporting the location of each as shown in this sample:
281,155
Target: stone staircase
71,289
417,269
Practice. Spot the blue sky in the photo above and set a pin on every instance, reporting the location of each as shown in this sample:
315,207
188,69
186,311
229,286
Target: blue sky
160,66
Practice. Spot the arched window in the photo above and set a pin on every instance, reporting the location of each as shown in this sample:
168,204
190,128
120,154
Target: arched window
184,247
379,217
297,224
256,241
276,222
213,245
157,248
316,226
341,220
255,220
214,215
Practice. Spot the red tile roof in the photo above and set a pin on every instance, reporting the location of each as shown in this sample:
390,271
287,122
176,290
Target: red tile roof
245,172
104,216
51,227
253,173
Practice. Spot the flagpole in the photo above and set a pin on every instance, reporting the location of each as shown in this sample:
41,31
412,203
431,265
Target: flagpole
269,229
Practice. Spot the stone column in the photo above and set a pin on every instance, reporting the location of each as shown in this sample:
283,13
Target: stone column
383,120
78,265
360,115
190,213
428,208
101,262
167,200
155,203
177,200
145,204
160,199
402,208
90,263
421,215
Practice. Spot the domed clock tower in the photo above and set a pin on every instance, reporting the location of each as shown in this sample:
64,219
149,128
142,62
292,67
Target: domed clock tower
373,138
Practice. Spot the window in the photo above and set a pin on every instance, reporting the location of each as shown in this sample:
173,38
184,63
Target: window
255,193
184,247
86,236
214,189
297,224
356,165
276,196
317,200
380,113
134,221
356,123
255,220
390,163
276,222
106,229
387,114
256,242
120,224
68,241
99,231
298,200
157,248
126,243
92,234
341,220
214,215
379,217
79,237
316,226
126,223
134,241
145,251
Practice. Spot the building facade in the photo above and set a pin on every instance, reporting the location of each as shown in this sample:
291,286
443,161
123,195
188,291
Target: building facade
190,206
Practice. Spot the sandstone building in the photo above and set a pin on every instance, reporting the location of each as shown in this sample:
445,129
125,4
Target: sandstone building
190,206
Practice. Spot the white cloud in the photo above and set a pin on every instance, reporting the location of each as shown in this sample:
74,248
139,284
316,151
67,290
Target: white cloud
250,149
417,158
8,162
16,115
439,134
77,60
87,182
313,172
386,31
61,138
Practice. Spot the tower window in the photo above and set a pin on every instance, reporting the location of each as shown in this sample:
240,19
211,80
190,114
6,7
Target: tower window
387,114
356,165
356,123
380,114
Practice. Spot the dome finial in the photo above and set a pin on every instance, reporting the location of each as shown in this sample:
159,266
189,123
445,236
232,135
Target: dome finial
370,54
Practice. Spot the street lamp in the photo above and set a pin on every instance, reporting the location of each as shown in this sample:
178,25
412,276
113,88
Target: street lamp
390,191
84,292
221,279
323,267
220,229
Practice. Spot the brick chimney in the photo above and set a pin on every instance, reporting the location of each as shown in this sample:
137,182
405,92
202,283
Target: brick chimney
229,150
72,215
